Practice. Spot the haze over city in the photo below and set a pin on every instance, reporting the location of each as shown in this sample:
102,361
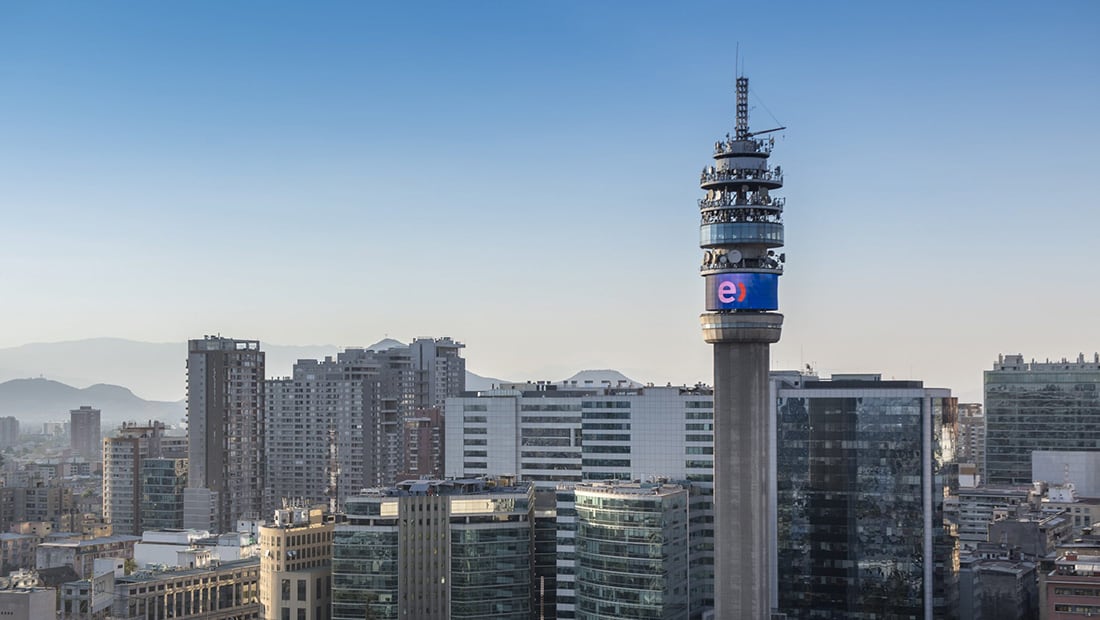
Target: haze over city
524,177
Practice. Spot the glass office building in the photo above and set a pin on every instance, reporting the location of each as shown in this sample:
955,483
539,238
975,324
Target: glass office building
631,551
1038,406
861,478
437,549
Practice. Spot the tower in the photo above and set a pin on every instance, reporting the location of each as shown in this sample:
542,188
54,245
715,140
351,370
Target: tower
741,227
225,431
84,432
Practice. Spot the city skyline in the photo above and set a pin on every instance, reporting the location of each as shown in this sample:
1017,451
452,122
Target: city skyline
517,176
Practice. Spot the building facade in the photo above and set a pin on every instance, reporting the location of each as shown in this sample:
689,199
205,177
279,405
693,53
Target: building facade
223,591
124,454
558,435
296,565
163,481
861,475
225,424
631,551
340,425
1053,406
434,550
85,436
9,431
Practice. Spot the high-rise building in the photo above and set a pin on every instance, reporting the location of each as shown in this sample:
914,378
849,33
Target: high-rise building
296,564
740,230
424,445
124,455
340,425
84,432
631,551
9,431
225,432
1038,406
862,472
436,549
440,370
555,435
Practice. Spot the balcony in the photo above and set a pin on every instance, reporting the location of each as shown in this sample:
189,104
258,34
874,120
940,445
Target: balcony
731,199
733,146
713,178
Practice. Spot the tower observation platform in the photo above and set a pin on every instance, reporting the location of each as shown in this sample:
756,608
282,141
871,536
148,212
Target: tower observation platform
741,231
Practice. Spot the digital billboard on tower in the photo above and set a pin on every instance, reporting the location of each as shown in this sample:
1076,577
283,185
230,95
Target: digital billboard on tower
742,291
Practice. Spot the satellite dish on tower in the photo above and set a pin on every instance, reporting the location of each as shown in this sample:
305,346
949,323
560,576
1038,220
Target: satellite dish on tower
734,256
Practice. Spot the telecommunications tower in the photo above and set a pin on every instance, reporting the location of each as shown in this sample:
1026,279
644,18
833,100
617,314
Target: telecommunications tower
740,231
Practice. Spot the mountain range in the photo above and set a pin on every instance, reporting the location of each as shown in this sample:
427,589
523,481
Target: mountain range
37,380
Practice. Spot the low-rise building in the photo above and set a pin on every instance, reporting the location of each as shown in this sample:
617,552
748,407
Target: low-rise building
81,554
1072,588
221,591
22,597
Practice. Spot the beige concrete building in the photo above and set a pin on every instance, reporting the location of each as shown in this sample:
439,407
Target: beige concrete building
223,591
295,565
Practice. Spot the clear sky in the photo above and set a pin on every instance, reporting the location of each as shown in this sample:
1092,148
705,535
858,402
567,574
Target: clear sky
523,177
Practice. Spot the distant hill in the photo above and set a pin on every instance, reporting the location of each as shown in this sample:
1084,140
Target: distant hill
42,400
596,378
477,383
155,370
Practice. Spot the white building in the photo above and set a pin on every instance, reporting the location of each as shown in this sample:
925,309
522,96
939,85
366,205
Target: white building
556,435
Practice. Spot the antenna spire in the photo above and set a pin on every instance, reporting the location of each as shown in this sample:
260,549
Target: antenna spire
742,108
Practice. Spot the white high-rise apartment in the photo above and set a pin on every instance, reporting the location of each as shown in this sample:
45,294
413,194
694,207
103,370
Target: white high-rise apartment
225,424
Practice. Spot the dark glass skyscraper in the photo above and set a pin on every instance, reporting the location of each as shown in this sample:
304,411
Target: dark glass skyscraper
861,476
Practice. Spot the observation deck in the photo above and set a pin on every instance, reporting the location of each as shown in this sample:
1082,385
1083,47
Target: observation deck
714,178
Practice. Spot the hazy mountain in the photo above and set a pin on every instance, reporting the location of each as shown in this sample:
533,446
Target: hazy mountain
477,383
41,400
596,378
151,369
157,370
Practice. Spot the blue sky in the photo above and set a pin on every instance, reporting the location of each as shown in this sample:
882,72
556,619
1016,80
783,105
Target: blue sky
523,177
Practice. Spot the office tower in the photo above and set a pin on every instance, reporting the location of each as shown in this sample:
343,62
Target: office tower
1041,406
225,432
632,551
862,468
9,431
741,227
435,549
123,456
355,412
295,564
163,481
84,432
557,434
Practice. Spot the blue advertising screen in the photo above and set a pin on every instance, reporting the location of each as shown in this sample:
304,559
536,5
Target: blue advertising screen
742,291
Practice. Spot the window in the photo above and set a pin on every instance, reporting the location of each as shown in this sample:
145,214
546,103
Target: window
301,589
286,593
